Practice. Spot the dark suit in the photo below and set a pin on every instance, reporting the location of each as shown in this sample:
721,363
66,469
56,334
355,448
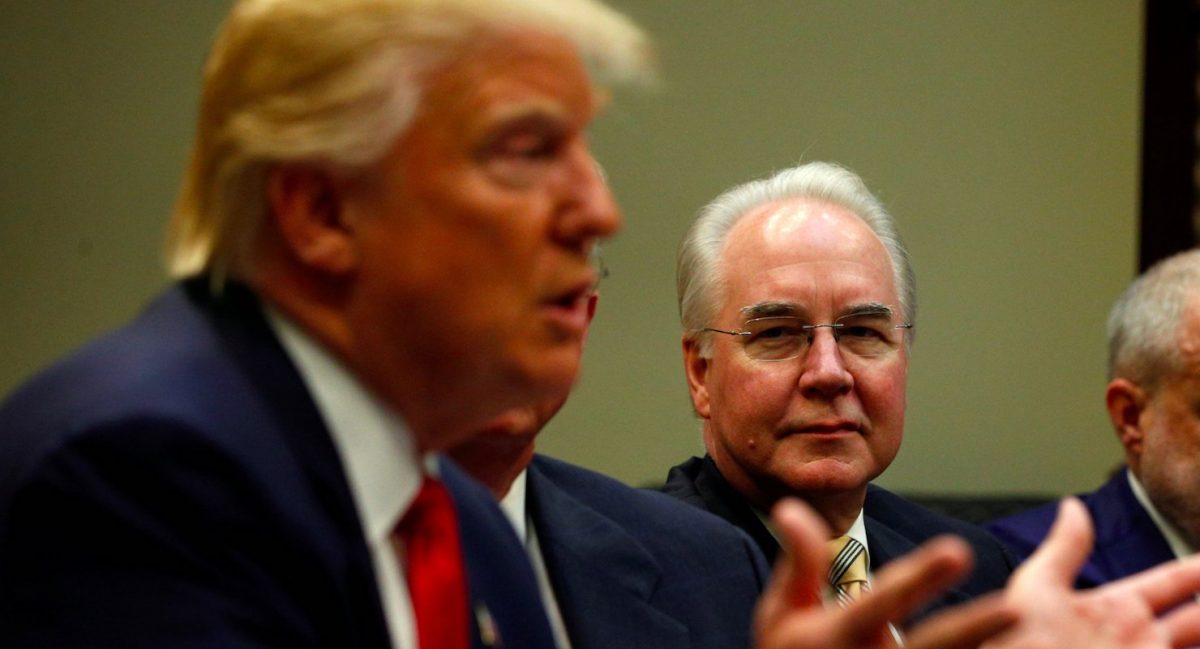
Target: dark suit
894,526
1127,541
173,485
635,569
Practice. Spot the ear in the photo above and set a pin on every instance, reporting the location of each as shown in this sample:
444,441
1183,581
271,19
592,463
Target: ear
1126,402
309,216
696,368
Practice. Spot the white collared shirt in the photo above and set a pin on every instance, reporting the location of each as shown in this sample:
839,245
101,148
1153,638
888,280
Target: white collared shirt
379,455
514,506
857,531
1179,546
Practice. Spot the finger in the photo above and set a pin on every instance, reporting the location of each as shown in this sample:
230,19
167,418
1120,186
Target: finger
1160,587
963,627
799,572
1183,626
907,583
1058,560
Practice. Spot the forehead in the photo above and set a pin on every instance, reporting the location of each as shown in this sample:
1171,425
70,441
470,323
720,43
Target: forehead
813,253
1189,336
506,75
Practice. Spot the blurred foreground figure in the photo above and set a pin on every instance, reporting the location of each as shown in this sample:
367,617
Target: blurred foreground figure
382,242
1149,512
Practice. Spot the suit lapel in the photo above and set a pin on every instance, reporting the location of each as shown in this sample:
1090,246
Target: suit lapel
251,344
1127,540
884,545
603,580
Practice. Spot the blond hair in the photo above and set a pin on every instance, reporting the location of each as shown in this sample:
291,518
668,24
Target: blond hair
334,83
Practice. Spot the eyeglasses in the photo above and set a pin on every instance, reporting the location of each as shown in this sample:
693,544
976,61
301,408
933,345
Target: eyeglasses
598,263
781,338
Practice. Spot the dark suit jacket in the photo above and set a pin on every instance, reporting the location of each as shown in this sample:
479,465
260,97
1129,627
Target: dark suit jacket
1127,541
637,570
894,525
173,485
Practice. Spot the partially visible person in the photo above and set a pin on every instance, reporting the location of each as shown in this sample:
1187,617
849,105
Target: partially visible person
798,305
1148,512
382,242
618,566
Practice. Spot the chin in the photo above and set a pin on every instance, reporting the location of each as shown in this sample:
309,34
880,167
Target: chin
546,373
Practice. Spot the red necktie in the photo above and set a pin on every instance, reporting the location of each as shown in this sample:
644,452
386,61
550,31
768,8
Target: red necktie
437,582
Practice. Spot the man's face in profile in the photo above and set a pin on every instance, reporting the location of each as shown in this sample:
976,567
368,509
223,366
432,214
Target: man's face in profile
827,420
479,226
1169,462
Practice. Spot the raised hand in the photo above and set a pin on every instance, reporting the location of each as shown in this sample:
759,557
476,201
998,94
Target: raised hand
791,614
1119,615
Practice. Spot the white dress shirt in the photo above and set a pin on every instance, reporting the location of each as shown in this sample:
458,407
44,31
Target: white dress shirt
1179,546
514,506
379,455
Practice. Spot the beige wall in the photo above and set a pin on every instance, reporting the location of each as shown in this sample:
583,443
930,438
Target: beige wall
1003,135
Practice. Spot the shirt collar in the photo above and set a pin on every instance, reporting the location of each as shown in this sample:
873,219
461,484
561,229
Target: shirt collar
857,531
376,447
513,505
1179,547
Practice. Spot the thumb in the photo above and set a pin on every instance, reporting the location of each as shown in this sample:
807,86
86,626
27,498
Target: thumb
1058,560
800,571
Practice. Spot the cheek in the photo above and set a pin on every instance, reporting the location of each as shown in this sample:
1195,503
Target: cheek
750,395
884,396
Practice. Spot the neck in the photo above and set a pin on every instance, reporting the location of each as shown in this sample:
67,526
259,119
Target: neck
494,460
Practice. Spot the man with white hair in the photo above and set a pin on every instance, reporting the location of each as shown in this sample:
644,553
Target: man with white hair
798,304
1148,513
382,241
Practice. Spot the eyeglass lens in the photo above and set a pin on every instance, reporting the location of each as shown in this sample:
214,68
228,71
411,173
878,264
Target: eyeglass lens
782,338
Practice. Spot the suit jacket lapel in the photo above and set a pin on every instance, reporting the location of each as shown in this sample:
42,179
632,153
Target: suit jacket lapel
884,545
603,580
1127,540
238,318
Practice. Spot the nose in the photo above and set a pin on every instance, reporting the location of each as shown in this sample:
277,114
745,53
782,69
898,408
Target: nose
824,374
590,211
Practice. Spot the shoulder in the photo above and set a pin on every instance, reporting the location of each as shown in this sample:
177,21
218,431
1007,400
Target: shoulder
681,482
919,524
642,507
1024,531
661,523
160,404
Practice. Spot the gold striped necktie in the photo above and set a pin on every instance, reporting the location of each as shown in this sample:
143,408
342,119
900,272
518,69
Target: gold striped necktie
847,569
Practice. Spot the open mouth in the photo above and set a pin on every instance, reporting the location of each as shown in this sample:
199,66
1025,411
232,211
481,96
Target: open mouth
569,310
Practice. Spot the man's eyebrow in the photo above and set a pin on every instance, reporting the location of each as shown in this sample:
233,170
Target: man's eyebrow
869,308
772,310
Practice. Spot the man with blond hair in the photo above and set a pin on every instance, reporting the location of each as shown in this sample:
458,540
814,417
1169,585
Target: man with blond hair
382,241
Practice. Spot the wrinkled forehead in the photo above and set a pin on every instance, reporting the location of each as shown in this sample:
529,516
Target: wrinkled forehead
809,242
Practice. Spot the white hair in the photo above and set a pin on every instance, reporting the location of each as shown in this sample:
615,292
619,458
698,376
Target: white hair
699,274
1144,324
333,84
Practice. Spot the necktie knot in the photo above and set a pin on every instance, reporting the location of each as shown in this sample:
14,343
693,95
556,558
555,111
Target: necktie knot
428,541
847,569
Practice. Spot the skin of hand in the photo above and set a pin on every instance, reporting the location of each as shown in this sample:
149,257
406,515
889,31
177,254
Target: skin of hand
1118,615
791,614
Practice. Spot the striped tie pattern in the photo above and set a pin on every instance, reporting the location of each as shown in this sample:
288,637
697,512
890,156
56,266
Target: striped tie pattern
847,569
